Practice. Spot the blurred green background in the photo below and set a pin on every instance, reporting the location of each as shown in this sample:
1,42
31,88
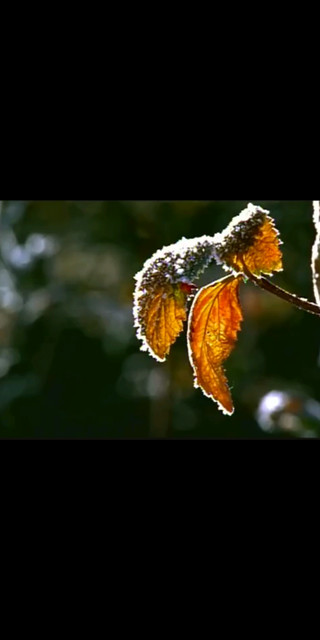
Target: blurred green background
70,363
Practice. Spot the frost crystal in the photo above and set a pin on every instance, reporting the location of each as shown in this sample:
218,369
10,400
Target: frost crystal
182,262
240,234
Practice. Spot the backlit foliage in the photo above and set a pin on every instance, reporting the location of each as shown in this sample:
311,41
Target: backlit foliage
163,315
161,292
214,322
249,245
250,240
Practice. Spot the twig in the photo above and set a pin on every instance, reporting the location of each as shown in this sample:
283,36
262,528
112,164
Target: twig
301,303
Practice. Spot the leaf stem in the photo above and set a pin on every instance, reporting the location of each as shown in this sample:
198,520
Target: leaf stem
301,303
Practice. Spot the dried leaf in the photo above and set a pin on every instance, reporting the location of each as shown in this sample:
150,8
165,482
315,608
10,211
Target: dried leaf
162,289
161,317
250,240
214,322
264,256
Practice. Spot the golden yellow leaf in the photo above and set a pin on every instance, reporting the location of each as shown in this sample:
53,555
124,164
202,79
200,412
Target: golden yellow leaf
264,256
214,322
161,315
250,241
162,289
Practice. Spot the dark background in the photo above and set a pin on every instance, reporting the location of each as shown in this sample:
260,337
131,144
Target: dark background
70,364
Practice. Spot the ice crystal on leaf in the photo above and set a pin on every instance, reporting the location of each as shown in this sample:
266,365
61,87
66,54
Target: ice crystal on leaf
250,240
214,322
248,247
162,290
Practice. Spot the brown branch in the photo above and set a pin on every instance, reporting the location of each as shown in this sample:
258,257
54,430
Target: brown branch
301,303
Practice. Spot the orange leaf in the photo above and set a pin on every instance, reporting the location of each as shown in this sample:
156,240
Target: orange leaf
160,318
250,240
214,321
264,256
162,288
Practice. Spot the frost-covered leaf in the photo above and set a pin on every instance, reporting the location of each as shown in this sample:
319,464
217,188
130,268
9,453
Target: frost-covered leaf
161,319
214,322
162,289
250,240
